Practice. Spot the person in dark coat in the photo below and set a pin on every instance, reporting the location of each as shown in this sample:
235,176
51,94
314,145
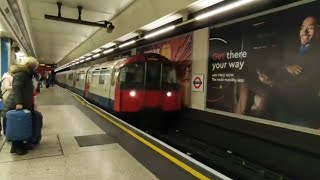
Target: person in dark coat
21,96
294,90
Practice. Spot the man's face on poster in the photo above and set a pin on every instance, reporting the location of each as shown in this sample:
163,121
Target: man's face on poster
309,30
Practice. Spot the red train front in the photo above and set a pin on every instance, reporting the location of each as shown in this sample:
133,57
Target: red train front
146,82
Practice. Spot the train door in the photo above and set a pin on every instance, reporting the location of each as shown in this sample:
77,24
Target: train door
113,78
104,79
81,82
87,82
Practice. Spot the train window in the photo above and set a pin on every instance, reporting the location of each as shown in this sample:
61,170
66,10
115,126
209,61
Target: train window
132,73
81,76
103,75
95,78
70,76
153,75
169,77
81,79
132,76
169,74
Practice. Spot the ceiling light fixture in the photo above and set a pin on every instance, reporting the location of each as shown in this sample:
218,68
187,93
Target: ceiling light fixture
223,9
159,32
108,51
127,44
96,55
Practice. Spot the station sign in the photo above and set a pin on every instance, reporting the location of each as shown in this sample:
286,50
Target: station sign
197,82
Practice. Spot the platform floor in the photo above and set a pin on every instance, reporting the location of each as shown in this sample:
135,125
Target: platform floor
82,142
59,155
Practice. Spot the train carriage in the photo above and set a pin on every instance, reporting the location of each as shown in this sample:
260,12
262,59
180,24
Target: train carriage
127,85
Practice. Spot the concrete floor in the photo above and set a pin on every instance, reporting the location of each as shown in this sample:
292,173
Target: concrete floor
59,156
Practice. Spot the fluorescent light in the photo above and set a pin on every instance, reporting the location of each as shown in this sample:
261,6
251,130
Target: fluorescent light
96,55
127,36
160,22
198,5
127,44
82,60
96,50
108,51
77,62
159,32
88,58
108,45
224,8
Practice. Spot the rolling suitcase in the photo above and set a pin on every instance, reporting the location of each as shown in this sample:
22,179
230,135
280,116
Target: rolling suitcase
19,125
36,127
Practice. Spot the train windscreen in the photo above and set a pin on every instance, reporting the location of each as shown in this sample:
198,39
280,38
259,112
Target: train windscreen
153,75
132,76
169,77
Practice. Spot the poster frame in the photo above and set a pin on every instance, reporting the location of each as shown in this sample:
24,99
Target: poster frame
250,118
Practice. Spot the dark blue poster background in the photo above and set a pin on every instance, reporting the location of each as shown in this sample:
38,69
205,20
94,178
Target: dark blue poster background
268,67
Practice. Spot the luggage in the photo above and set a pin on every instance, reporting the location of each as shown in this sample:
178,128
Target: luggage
37,122
19,125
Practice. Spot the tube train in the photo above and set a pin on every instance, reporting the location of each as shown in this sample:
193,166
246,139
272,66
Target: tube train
128,85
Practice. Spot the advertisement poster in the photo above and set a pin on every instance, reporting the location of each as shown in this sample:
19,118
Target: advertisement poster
268,67
179,50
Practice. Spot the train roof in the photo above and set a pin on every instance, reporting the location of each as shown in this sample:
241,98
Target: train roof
83,69
118,63
146,57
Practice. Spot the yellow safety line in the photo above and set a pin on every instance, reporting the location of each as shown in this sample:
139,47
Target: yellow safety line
155,148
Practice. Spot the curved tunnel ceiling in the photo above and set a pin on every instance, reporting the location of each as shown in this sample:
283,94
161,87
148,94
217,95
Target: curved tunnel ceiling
53,40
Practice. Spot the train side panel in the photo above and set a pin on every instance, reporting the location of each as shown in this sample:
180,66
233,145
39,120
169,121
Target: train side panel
70,80
101,86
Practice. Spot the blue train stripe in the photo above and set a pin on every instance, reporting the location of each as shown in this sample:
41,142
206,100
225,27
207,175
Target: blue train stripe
102,101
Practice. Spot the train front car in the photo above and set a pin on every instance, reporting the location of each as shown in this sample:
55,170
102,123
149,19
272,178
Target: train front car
147,82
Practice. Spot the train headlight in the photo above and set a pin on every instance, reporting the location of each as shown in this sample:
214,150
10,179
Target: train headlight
132,93
169,94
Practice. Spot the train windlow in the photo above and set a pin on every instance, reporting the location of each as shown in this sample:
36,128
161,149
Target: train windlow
128,85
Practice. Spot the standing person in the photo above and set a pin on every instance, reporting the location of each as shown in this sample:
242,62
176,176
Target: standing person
52,78
295,89
21,96
41,80
48,80
6,85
